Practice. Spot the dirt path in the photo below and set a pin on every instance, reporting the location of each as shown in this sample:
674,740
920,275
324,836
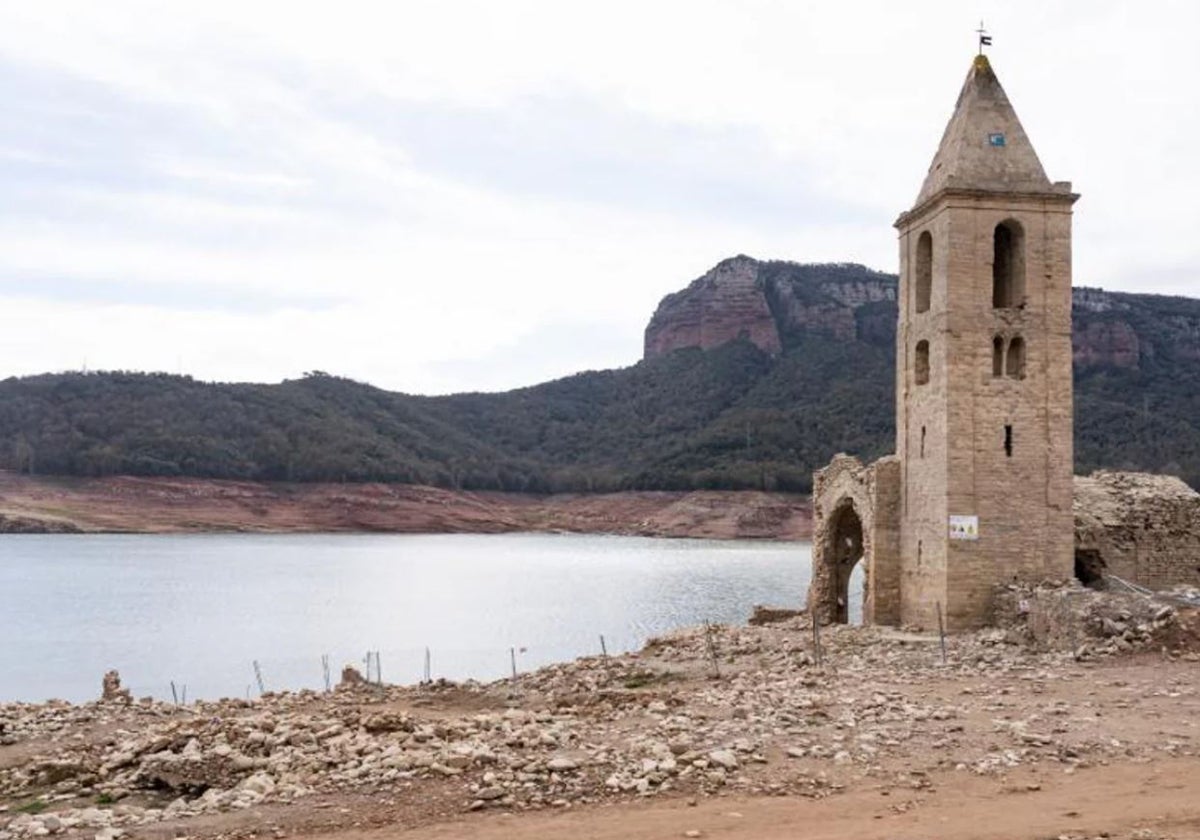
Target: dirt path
1157,799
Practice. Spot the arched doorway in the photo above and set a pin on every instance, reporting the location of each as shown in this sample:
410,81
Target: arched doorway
844,550
1090,568
855,556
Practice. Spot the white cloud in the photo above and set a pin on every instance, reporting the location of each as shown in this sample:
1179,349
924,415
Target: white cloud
419,193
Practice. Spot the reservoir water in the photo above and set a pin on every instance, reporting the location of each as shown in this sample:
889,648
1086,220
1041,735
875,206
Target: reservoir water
200,610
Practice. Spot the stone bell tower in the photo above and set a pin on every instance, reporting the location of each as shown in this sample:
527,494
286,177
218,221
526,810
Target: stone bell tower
983,367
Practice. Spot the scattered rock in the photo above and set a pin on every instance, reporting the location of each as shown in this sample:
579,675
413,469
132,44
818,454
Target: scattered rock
111,691
577,732
351,677
771,615
724,758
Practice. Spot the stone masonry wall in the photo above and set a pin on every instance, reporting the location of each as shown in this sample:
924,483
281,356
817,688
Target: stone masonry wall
1021,493
1143,528
921,431
1022,497
872,491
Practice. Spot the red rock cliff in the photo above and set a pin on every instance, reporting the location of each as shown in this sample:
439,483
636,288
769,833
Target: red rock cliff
726,303
772,303
1105,343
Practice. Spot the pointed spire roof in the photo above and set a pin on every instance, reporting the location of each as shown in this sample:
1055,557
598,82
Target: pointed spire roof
984,147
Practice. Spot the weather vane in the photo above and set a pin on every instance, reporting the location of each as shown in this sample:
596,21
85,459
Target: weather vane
985,40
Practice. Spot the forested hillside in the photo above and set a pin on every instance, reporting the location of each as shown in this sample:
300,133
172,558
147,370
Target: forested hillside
730,416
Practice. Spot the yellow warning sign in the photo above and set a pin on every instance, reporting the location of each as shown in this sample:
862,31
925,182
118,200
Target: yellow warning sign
964,527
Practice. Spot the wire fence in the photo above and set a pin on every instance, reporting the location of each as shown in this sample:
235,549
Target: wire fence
1118,584
250,678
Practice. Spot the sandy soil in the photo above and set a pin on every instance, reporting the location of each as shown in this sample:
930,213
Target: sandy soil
1156,800
158,505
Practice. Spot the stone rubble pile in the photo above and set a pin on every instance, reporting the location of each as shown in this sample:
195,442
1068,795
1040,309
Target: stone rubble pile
696,711
1140,527
1068,616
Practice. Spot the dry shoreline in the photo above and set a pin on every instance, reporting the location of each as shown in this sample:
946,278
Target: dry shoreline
876,737
736,732
48,504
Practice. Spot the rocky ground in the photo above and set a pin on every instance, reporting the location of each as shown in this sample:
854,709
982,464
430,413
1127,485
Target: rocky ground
172,505
758,721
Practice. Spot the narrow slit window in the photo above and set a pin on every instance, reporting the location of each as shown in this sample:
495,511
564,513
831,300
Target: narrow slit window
1008,441
1015,359
922,441
924,271
1008,265
921,363
997,356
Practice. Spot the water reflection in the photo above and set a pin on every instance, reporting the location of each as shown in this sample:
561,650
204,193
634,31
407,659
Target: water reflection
199,609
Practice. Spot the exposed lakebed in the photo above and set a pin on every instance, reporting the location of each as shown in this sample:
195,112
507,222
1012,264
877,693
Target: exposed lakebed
200,610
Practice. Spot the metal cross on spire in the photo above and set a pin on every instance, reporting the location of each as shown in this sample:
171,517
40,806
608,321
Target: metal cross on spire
985,40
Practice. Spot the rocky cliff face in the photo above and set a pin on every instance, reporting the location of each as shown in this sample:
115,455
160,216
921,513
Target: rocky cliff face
773,304
1136,365
1113,329
1105,343
1102,334
777,304
725,304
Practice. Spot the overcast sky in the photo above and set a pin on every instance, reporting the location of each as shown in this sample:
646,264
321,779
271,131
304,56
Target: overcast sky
449,196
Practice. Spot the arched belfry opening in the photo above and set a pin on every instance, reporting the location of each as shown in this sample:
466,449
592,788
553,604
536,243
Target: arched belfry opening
844,551
921,363
1008,265
923,276
1015,359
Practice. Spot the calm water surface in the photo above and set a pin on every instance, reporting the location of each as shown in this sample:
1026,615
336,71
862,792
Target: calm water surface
200,609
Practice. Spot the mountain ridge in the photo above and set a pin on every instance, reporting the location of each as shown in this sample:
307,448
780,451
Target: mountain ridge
754,375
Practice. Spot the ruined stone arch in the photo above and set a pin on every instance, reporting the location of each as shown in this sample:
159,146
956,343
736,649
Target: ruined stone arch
846,547
854,520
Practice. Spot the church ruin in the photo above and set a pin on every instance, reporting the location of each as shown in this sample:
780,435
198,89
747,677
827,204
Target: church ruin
980,489
1141,528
